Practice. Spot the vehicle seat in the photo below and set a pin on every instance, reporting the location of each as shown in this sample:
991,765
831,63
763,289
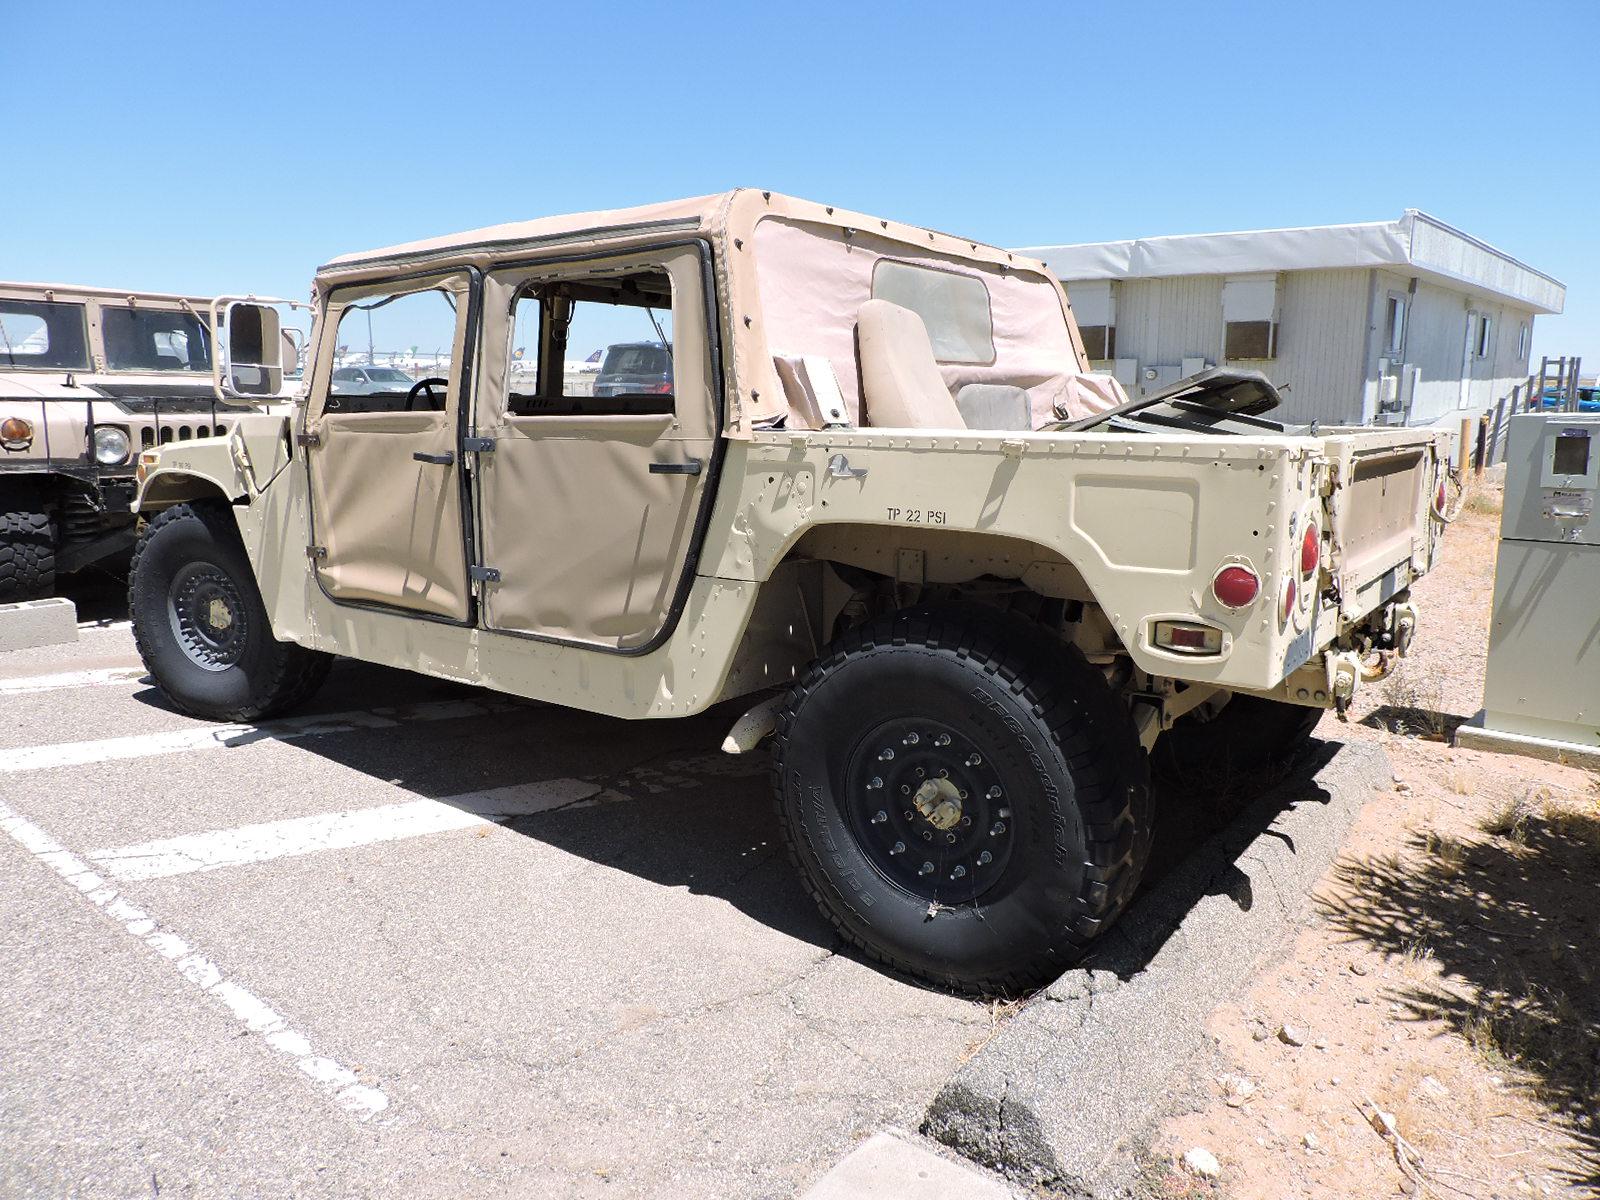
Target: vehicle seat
900,382
994,406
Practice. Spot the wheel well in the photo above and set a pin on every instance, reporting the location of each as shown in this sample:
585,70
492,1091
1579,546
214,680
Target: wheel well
170,487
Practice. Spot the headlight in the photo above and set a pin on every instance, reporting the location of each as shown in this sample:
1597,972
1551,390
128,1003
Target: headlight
16,434
111,445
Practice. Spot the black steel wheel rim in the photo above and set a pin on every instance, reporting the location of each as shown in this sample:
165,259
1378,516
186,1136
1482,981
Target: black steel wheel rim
929,809
208,617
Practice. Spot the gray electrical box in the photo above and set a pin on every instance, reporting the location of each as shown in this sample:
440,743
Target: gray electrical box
1541,693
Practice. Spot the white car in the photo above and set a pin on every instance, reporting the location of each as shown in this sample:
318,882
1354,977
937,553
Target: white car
368,381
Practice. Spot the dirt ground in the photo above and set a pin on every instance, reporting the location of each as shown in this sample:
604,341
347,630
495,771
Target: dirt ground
1449,976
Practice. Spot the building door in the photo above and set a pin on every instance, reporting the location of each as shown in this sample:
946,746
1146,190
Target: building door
598,393
386,488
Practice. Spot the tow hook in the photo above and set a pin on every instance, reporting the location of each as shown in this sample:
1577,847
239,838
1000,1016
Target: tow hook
1344,669
1403,625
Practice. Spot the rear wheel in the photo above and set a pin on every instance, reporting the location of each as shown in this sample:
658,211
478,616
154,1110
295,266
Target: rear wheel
1246,736
201,626
27,554
965,797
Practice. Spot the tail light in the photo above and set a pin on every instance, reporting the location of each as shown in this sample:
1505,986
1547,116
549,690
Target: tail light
1183,637
1236,586
1310,550
661,389
1439,497
1291,593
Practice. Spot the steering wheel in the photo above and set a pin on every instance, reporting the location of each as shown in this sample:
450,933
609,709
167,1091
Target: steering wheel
426,385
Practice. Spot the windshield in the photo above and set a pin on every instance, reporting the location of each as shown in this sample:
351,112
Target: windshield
39,333
148,339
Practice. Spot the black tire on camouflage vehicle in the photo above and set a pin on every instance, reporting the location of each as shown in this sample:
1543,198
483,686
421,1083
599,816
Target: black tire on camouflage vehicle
1246,736
201,626
965,797
27,555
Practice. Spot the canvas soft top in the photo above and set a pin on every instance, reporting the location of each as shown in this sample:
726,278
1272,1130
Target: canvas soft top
728,220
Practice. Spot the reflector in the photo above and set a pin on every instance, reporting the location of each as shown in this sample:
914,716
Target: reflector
1236,586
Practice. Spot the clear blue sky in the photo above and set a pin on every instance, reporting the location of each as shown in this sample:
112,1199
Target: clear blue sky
221,147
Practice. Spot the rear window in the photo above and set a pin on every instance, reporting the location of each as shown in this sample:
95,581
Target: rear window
636,360
953,307
40,333
150,339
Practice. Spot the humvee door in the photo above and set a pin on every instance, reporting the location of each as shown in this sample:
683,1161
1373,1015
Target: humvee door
596,386
386,490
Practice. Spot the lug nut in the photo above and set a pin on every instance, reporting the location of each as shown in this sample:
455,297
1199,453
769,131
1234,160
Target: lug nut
997,829
942,740
974,760
1003,814
875,784
925,869
993,793
886,754
949,837
879,817
985,859
927,835
898,848
912,739
958,873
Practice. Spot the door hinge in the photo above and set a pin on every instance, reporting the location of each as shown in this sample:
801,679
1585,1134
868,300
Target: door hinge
477,445
484,574
316,553
309,439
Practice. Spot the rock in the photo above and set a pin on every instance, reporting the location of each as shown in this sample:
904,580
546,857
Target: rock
1259,1033
1320,1044
1403,788
1290,1036
1310,1141
1201,1163
1237,1089
1357,969
1336,1081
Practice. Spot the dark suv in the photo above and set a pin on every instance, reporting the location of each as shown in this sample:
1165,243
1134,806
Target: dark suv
635,369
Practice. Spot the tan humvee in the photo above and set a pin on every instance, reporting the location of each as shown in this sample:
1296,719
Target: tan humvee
853,471
89,377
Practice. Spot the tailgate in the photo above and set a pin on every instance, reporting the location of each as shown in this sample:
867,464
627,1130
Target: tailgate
1380,513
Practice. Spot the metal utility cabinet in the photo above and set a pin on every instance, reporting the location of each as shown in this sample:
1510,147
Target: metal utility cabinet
1541,693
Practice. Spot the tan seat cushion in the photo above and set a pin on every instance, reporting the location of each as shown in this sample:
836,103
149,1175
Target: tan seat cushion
900,381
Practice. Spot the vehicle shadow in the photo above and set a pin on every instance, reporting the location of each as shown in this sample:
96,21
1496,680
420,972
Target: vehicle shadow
1520,975
665,804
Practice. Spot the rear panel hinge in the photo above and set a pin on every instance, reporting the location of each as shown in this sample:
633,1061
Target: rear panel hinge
484,574
316,553
477,445
310,439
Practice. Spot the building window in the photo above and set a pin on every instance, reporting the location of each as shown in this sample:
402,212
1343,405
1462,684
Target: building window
1484,327
1395,325
1522,341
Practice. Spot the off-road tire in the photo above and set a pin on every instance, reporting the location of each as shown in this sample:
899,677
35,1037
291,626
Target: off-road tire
1067,761
258,676
27,555
1248,737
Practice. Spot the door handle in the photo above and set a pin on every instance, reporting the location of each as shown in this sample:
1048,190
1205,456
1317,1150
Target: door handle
691,467
443,460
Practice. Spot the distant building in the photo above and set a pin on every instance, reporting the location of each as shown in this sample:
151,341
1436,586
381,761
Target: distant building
1393,322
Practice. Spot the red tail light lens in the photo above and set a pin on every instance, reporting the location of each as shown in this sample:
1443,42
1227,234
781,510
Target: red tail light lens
1236,586
1290,594
661,389
1310,550
1439,498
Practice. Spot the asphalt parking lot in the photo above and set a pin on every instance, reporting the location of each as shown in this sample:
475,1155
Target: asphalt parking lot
418,940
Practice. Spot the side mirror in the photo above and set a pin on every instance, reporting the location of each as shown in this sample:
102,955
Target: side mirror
255,351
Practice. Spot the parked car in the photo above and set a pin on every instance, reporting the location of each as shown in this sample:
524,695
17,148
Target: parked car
635,369
964,585
88,378
372,381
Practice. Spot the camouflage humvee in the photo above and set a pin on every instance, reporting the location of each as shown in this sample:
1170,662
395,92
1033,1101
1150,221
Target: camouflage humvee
965,587
88,378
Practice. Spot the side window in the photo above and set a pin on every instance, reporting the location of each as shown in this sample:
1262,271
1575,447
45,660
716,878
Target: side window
1395,325
387,346
154,339
954,308
600,346
39,333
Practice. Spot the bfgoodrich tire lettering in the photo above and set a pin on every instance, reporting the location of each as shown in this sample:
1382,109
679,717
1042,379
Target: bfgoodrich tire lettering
201,627
1046,827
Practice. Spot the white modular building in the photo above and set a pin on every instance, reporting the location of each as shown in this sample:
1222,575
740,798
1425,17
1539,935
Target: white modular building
1390,322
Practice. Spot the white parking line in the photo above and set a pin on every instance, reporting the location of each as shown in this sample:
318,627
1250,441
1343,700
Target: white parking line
71,679
337,1081
223,737
336,830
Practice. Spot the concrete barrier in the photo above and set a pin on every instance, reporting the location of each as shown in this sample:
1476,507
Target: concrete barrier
1065,1094
32,623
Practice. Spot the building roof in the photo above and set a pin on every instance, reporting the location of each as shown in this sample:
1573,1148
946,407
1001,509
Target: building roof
1416,244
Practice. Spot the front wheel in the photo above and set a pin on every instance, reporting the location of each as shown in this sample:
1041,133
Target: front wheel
27,554
200,624
965,797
